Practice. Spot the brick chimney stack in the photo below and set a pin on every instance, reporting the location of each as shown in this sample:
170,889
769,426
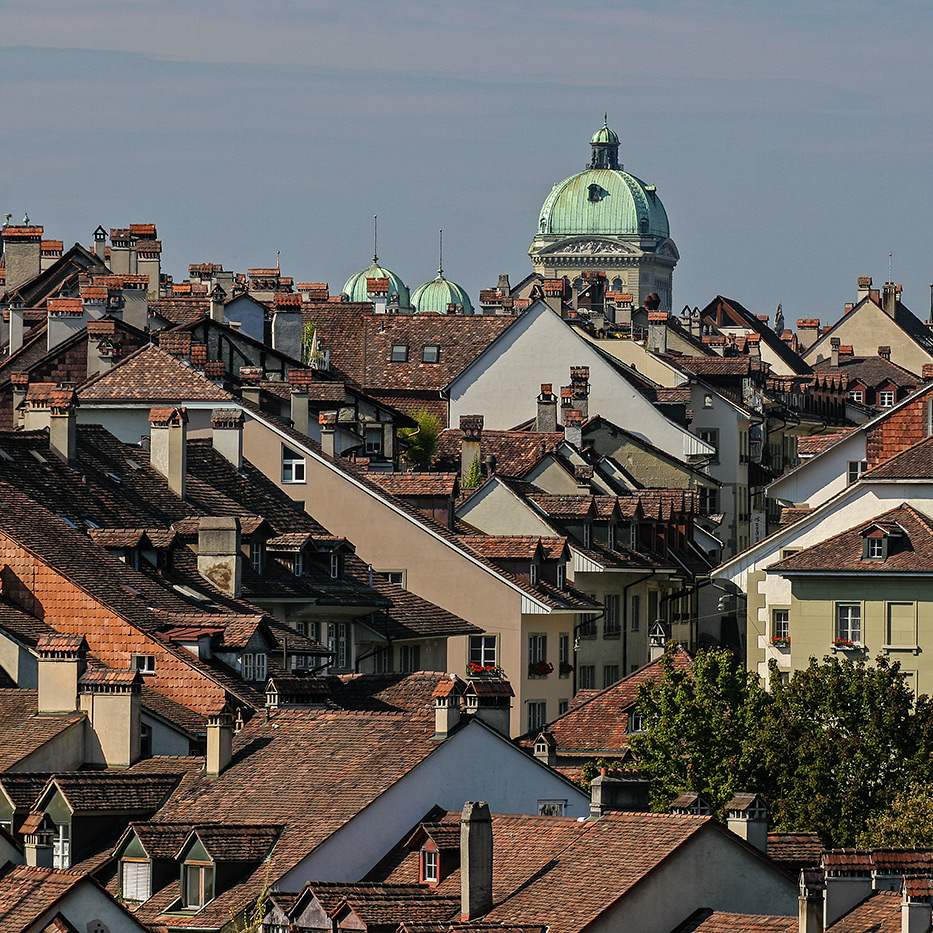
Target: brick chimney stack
546,419
475,860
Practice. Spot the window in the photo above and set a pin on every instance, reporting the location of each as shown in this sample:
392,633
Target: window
298,567
257,555
587,678
537,649
561,576
335,563
587,535
483,651
612,627
533,574
409,658
393,576
537,716
254,666
562,707
636,722
430,354
780,624
293,466
430,865
856,395
197,884
144,663
886,398
611,536
856,469
61,846
374,440
874,548
709,500
849,622
338,642
711,437
707,401
636,613
135,881
552,807
633,536
610,674
399,353
902,625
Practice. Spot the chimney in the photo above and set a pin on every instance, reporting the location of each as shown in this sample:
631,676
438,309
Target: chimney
219,743
20,384
250,379
659,633
61,662
622,791
580,385
168,447
227,434
864,287
747,817
545,749
884,353
809,906
287,325
489,699
447,706
300,381
889,298
475,860
573,427
546,419
834,343
657,331
111,700
916,901
37,411
471,429
94,300
135,300
63,437
504,286
808,331
38,833
846,886
65,318
219,557
22,254
217,304
328,423
101,347
17,324
216,371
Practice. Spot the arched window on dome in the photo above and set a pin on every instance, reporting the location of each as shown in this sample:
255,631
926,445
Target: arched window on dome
617,284
595,192
643,224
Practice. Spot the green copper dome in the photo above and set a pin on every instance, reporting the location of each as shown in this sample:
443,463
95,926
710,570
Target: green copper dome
436,296
604,200
356,290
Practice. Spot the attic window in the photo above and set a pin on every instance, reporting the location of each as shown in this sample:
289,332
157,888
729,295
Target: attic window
335,565
430,866
399,353
197,884
886,398
38,456
430,354
145,663
875,548
133,464
67,521
135,880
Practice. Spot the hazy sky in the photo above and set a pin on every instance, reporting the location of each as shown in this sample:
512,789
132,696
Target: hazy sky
790,142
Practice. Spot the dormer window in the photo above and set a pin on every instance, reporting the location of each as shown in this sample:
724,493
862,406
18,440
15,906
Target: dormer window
875,548
533,574
335,566
430,866
587,535
886,398
197,884
299,565
254,665
561,576
430,354
257,555
611,536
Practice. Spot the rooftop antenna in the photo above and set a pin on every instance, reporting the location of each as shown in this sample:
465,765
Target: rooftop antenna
375,238
278,254
890,264
440,255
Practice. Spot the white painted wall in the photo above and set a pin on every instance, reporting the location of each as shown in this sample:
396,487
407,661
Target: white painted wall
503,384
83,904
476,763
817,480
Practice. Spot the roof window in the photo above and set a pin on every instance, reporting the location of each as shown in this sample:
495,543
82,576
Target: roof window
399,353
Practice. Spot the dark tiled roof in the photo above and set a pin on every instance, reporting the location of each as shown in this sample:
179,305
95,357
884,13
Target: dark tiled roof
599,724
795,847
705,920
817,443
910,551
410,616
97,790
872,370
360,344
23,788
516,452
236,842
27,892
418,484
880,913
913,463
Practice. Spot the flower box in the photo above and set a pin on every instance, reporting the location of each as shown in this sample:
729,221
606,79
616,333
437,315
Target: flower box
779,641
565,669
844,643
480,670
540,668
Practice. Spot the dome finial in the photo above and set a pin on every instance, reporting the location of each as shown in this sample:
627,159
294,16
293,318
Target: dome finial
440,254
375,238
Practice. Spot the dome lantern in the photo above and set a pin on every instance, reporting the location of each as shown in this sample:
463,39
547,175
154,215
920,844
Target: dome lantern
605,143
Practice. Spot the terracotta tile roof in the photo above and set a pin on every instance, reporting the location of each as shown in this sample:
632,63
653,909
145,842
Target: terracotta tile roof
101,790
507,547
910,551
24,626
871,370
181,310
915,462
880,913
418,484
549,870
599,723
236,842
516,452
360,344
722,365
27,892
22,732
795,847
817,443
705,920
159,840
387,909
410,616
789,514
23,789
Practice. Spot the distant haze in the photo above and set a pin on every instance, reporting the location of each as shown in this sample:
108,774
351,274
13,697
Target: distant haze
790,142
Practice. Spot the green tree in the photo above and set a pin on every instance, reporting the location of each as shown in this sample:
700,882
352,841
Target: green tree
474,475
838,743
421,441
908,821
701,725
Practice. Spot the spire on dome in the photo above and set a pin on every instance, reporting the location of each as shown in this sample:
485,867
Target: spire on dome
605,143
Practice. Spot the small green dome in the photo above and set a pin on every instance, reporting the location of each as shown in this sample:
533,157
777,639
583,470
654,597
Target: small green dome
356,289
436,296
604,134
604,202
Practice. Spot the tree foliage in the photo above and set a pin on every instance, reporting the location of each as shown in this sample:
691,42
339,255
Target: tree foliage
908,821
701,729
831,751
421,441
474,475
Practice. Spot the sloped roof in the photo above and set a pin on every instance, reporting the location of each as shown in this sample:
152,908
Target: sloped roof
418,484
22,732
705,920
915,462
843,552
516,452
100,790
879,913
872,370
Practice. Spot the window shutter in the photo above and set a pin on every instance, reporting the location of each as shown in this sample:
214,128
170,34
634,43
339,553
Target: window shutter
135,881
